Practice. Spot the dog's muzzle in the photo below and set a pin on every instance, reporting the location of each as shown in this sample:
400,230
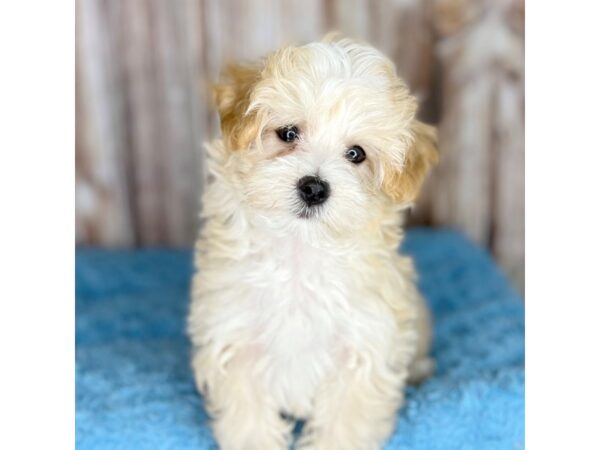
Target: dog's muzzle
312,190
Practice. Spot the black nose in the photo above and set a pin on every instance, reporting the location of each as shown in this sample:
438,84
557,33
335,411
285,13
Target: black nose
313,190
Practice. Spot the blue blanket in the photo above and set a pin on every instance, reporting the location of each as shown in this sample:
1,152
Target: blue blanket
135,388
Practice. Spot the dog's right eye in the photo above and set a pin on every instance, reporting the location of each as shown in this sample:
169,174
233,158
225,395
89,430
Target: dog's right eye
288,134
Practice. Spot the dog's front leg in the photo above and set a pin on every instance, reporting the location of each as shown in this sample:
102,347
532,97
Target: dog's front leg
244,415
355,409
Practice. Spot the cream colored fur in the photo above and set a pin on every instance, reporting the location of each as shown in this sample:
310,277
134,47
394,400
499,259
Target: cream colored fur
318,318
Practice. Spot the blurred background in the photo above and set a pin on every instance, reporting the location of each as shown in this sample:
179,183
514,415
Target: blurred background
143,110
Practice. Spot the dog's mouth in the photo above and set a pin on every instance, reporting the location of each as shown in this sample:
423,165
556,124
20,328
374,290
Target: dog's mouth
308,212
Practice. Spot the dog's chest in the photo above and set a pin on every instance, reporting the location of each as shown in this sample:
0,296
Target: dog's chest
301,324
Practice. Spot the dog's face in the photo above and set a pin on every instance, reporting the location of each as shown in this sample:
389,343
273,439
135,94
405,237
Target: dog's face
324,133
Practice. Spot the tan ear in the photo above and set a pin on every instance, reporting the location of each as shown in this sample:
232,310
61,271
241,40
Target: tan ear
403,185
232,97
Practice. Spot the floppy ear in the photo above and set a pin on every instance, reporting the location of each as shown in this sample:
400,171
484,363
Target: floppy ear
403,184
232,97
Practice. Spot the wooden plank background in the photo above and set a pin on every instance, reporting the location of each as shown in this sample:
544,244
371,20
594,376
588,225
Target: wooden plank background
143,109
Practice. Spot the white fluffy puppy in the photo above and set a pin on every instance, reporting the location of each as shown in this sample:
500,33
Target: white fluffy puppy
301,305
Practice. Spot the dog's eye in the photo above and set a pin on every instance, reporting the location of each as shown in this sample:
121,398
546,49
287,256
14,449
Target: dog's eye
355,154
288,134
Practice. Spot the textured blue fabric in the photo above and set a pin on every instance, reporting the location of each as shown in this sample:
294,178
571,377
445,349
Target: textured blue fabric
135,389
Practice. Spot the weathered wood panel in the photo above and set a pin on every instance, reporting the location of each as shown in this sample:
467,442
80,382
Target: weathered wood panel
104,210
479,185
143,105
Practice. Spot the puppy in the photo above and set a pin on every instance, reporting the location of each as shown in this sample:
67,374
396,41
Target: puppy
301,305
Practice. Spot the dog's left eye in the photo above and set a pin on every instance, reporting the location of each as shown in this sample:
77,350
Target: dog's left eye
355,154
288,134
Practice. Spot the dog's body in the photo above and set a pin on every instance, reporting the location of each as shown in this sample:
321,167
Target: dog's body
301,304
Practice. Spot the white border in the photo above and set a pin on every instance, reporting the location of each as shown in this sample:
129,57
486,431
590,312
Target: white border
562,225
37,225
